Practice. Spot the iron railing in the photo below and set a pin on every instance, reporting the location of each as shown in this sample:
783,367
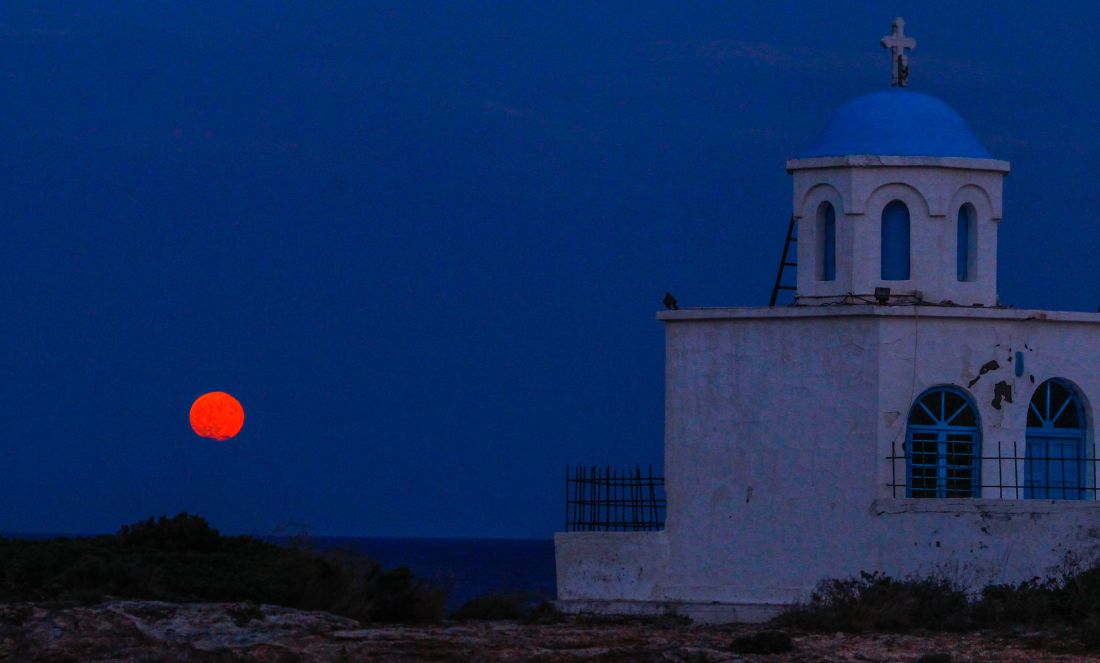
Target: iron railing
609,499
1012,476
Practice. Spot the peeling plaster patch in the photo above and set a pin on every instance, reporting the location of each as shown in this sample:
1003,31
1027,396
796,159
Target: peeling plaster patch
1001,390
890,417
988,366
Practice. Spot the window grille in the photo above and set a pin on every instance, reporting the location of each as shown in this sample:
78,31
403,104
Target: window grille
942,444
607,499
1055,468
1011,475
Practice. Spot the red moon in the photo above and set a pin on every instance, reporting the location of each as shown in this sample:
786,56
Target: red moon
217,415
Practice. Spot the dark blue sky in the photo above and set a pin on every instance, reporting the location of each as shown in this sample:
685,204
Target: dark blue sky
423,243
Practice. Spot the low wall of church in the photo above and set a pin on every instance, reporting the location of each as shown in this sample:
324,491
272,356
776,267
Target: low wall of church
981,542
623,566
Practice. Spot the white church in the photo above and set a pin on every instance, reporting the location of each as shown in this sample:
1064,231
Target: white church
895,418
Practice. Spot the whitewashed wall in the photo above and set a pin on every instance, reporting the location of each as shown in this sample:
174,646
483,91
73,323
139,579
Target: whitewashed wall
933,189
778,427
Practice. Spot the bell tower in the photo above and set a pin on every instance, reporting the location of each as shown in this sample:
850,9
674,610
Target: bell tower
897,194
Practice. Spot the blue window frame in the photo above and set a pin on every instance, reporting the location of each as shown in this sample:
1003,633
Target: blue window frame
826,242
966,244
1054,466
942,445
895,242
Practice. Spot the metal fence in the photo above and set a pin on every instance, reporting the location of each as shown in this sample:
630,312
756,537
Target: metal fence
1048,472
609,499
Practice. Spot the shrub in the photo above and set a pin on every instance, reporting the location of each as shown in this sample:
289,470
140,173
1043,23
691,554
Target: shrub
400,597
875,602
1067,605
183,533
1029,602
184,559
1077,596
543,613
513,605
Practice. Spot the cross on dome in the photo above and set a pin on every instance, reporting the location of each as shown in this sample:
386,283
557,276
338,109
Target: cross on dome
897,42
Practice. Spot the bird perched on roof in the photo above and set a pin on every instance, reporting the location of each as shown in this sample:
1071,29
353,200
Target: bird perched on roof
670,302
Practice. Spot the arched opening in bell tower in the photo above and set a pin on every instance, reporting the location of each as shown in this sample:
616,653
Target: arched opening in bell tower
826,242
966,245
895,242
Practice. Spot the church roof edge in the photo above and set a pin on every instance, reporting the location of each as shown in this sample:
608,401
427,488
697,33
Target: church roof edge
873,311
878,161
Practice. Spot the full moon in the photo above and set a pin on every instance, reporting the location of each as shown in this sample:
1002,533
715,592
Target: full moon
217,415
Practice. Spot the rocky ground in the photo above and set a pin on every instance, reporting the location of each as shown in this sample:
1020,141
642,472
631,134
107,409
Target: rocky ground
127,631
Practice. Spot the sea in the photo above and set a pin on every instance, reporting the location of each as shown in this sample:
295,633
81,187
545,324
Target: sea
468,568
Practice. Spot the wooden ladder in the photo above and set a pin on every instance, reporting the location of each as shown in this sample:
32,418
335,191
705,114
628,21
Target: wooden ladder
784,263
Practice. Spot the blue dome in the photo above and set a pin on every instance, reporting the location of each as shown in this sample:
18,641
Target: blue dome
897,123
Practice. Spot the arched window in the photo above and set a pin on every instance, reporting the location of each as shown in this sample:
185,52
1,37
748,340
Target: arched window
895,242
826,242
967,244
1054,468
942,445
